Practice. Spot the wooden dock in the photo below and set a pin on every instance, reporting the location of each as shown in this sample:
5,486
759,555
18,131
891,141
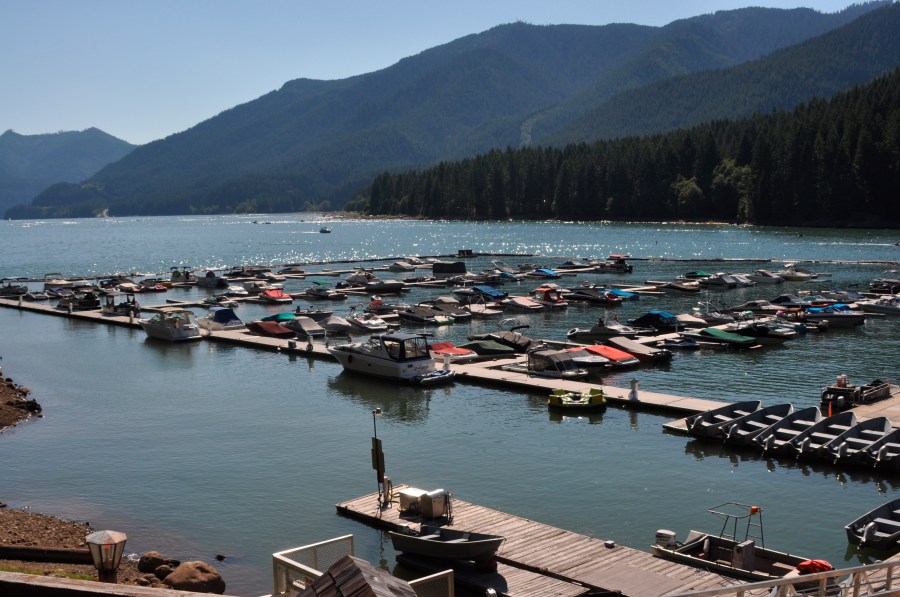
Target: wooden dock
538,559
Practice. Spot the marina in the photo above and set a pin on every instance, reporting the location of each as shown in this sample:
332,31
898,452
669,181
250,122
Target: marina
236,407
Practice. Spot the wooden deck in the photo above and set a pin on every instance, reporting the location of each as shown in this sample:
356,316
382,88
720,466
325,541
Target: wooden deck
538,559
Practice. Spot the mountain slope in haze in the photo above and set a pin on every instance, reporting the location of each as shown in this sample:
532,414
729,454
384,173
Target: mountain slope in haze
820,67
315,141
30,163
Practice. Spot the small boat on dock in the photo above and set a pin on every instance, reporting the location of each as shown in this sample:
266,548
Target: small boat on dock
885,452
711,422
850,447
305,327
725,553
877,529
447,544
271,329
812,443
774,440
741,431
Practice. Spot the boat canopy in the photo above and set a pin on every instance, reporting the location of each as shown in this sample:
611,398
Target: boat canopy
490,292
286,316
224,315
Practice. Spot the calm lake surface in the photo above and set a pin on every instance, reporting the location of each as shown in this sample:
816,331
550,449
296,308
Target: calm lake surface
209,449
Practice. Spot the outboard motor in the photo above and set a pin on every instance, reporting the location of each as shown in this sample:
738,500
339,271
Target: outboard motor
666,538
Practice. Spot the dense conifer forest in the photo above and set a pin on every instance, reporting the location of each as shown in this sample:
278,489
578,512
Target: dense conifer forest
834,162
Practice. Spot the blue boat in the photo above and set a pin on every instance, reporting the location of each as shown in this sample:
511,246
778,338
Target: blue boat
663,321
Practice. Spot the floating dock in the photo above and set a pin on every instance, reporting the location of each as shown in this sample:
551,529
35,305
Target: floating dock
538,559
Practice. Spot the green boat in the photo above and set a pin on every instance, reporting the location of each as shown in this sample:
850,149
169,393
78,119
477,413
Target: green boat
719,336
582,401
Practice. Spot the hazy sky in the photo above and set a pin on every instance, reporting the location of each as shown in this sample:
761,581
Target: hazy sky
144,69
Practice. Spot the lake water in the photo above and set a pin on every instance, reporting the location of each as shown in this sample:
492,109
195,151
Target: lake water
209,449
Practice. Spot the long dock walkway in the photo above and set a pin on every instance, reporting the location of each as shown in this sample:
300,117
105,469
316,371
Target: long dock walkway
538,559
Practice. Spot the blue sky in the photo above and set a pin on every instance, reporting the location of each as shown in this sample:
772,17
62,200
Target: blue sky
142,70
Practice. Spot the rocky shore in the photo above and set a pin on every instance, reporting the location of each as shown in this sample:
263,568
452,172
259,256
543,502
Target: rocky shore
15,404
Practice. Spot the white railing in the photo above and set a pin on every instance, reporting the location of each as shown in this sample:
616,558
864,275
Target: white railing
299,567
875,580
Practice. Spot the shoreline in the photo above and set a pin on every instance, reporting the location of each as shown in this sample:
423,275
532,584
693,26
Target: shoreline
15,404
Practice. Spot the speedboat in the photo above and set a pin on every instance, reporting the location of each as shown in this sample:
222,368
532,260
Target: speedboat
13,288
305,327
729,553
173,324
662,321
370,283
542,362
839,315
324,291
367,322
396,356
762,332
599,296
335,325
764,276
275,296
314,313
221,319
120,303
642,352
886,305
618,359
549,296
379,307
603,330
521,303
425,315
449,352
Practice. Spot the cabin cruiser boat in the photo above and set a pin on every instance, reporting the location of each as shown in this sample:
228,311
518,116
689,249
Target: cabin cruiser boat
396,356
174,324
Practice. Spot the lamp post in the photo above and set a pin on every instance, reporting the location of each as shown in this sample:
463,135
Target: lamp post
106,551
377,455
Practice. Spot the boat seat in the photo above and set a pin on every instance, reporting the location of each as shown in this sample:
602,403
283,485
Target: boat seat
435,536
824,436
873,432
860,440
887,522
841,427
760,424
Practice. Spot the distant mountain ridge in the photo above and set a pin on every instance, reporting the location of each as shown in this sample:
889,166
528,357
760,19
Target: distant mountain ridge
314,143
31,163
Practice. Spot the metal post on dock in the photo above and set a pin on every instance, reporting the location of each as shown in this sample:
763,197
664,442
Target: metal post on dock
633,394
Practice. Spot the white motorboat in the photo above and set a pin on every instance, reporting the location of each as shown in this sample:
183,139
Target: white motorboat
886,305
602,330
367,322
764,276
372,284
521,303
335,325
396,356
173,324
325,291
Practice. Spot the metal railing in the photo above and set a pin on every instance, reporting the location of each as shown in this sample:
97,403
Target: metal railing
874,580
299,567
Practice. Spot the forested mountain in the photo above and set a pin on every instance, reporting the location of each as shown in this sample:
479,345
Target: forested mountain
834,163
30,163
311,144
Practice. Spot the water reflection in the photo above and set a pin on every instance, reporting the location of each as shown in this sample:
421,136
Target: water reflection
399,402
592,418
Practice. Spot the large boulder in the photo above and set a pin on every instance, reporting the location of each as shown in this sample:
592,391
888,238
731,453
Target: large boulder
150,561
198,577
